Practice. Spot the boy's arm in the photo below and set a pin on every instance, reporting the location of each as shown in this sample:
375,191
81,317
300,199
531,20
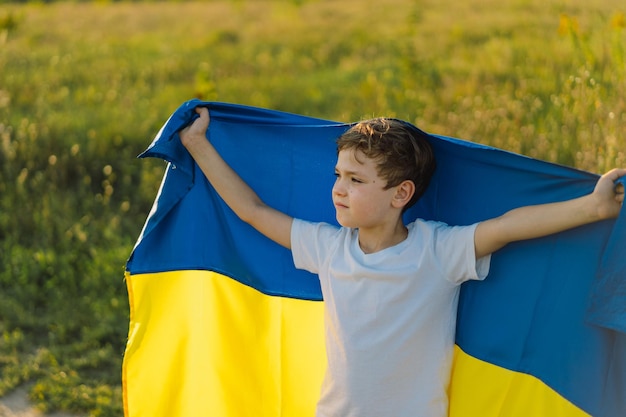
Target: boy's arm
233,190
541,220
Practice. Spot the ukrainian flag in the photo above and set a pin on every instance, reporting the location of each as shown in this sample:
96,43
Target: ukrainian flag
222,324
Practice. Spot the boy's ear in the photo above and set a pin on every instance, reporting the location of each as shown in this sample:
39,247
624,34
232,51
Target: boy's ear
404,193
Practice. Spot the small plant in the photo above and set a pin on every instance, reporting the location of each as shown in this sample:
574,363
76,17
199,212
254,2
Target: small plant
9,21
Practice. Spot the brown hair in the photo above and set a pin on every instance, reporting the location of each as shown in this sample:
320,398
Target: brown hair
401,151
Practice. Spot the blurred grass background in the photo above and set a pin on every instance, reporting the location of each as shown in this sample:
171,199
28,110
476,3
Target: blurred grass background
85,86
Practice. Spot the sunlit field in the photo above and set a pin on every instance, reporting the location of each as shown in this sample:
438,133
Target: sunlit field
84,87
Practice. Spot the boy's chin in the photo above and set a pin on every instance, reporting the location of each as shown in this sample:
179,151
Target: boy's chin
343,222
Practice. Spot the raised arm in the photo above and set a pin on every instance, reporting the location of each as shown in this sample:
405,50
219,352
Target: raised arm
545,219
233,190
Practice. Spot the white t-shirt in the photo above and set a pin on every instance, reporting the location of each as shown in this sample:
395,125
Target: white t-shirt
390,316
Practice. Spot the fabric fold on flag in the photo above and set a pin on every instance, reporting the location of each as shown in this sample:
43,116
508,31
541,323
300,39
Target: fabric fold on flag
222,324
608,298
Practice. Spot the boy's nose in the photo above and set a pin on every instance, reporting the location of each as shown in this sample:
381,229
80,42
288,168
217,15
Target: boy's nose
338,189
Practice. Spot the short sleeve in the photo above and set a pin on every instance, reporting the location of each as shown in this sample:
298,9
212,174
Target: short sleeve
454,247
311,244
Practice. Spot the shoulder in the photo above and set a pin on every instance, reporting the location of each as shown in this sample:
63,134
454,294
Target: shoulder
312,243
422,226
317,230
438,232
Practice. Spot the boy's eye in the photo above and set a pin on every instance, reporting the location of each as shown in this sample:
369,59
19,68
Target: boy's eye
353,179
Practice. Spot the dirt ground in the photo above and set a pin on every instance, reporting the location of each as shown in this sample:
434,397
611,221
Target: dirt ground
16,404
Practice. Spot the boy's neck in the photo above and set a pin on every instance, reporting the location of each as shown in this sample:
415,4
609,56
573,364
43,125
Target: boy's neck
372,241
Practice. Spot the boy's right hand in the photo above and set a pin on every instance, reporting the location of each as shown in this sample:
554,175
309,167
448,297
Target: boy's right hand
234,191
196,131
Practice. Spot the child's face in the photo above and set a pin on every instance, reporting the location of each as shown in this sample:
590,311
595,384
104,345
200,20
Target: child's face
359,194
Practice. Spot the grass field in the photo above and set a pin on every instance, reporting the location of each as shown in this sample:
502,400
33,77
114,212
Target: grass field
85,86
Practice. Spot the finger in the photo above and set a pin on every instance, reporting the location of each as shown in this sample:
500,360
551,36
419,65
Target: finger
616,173
619,190
202,111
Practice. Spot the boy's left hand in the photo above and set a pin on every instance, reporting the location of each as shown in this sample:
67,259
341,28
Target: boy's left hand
610,196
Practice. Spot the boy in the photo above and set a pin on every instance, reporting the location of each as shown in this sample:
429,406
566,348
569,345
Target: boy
390,289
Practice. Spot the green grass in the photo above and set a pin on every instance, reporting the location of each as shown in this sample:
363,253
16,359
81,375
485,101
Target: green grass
85,86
